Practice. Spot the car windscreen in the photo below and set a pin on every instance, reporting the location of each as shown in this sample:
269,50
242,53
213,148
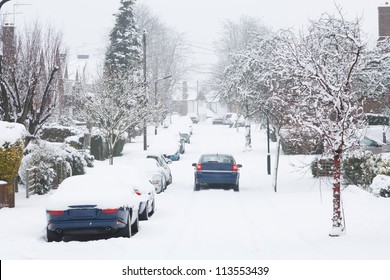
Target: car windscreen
217,159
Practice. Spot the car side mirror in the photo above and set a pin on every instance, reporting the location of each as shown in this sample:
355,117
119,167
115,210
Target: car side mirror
239,165
194,164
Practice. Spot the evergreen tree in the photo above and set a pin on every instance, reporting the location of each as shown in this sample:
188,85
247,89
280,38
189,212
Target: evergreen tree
124,54
119,102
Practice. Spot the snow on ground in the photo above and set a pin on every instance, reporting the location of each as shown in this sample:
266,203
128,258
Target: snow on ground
254,224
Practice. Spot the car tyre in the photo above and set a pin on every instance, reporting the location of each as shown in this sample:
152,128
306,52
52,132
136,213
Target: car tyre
153,209
196,187
170,179
236,188
135,226
164,184
126,231
53,236
144,216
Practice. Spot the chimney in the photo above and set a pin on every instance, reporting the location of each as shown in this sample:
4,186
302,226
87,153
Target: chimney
384,20
8,40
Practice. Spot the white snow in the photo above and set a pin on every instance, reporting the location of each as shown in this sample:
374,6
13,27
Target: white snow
11,132
104,192
380,182
252,225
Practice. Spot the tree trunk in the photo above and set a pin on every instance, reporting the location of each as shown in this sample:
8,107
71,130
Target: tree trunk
338,225
248,136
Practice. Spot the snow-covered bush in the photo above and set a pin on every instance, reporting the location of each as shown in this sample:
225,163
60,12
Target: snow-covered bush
11,150
296,141
361,170
381,186
52,159
322,167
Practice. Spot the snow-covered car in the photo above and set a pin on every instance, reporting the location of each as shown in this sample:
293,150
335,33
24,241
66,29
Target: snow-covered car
217,170
194,118
87,205
164,163
150,167
186,137
218,119
233,120
230,119
171,147
144,185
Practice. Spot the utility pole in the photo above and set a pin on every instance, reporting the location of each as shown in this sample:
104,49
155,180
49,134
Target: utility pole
268,149
145,88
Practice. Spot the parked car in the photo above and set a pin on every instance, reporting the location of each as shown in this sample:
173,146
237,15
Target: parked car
233,120
194,118
182,124
186,137
217,119
144,184
159,176
217,170
86,205
164,163
374,146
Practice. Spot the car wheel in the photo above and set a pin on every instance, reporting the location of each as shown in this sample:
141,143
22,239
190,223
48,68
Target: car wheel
53,236
135,226
170,179
153,208
126,231
236,188
144,216
163,184
196,187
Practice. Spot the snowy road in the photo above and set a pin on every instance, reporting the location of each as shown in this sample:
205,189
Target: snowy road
255,223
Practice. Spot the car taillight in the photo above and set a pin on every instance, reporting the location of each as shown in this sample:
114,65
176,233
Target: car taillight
56,212
110,211
235,167
199,166
137,192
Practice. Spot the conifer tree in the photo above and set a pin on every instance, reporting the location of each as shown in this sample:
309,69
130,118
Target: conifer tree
124,54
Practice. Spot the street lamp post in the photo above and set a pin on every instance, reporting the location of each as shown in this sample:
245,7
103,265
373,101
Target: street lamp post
155,99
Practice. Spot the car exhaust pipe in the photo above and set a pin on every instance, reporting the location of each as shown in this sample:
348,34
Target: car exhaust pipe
107,229
59,230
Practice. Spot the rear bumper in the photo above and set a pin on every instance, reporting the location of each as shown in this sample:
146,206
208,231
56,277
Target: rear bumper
216,178
85,227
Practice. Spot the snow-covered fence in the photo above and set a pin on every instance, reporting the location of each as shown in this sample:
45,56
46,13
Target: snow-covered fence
32,181
322,167
4,197
61,174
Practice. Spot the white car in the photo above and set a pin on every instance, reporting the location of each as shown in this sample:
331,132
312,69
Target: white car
232,119
153,170
144,184
164,163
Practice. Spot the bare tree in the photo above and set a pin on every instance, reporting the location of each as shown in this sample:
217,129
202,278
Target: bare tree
323,65
167,55
30,77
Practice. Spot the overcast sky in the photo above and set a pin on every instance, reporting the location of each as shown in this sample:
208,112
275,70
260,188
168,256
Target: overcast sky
86,23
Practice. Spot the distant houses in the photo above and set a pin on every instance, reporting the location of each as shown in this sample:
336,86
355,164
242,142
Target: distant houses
190,99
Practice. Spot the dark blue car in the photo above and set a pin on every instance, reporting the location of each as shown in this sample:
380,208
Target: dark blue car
217,170
86,206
